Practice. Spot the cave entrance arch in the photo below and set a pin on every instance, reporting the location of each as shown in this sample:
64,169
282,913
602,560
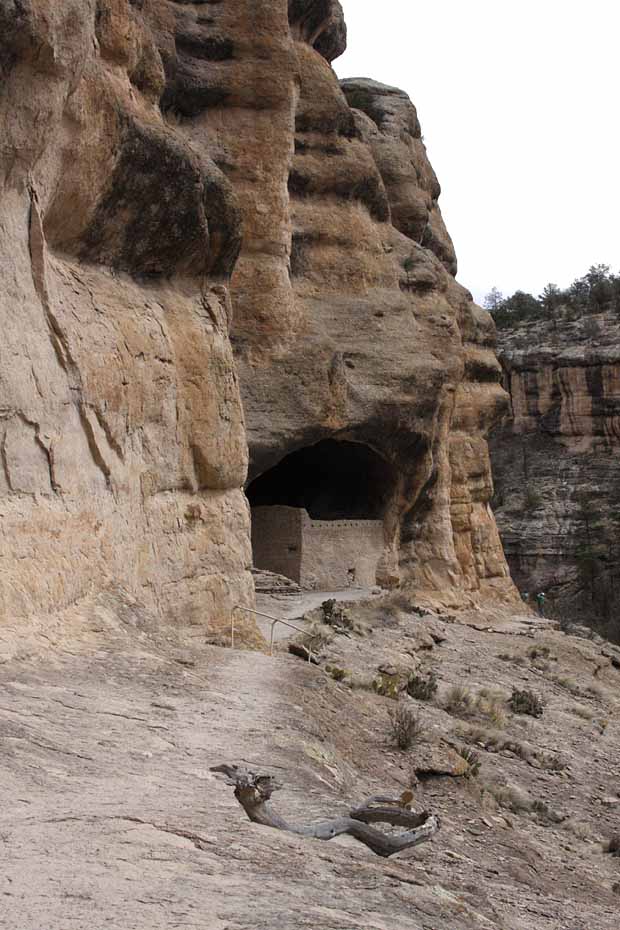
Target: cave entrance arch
317,516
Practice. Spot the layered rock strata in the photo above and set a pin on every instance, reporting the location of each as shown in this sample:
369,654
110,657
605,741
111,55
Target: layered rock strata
123,451
152,149
555,462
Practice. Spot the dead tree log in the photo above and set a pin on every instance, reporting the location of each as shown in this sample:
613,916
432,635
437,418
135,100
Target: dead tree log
254,791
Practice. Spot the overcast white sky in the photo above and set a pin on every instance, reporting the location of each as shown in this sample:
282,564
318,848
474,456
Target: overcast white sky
519,108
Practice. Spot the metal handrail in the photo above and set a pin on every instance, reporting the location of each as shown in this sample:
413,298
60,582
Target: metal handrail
275,620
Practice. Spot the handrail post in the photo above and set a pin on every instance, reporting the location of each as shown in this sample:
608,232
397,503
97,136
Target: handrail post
274,621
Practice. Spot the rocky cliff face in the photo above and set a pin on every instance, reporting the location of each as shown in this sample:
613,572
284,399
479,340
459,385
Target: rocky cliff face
121,428
349,324
151,150
555,463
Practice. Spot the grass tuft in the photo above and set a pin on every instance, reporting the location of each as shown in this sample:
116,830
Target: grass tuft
406,728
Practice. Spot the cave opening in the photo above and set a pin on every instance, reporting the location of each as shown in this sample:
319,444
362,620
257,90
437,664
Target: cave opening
332,480
318,515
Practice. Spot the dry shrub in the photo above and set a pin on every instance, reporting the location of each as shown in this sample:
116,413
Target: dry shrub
406,728
511,657
526,702
490,704
494,741
579,829
539,652
422,687
340,618
568,683
458,700
486,703
515,799
316,638
509,797
612,846
362,681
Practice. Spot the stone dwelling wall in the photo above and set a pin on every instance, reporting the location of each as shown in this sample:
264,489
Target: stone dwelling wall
327,555
276,540
339,554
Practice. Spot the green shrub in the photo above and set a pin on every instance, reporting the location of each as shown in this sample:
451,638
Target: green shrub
472,758
389,682
337,673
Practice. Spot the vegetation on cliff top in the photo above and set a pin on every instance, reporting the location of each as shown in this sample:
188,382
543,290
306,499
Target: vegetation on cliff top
596,292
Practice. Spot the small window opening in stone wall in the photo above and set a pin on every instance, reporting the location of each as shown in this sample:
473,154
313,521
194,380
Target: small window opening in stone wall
332,480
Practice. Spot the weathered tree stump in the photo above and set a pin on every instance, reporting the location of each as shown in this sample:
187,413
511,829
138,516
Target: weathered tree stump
253,792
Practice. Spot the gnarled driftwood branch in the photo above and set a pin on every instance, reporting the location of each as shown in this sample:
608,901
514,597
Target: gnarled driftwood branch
254,791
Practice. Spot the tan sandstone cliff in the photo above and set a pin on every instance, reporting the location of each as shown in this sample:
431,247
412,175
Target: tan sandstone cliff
121,429
145,144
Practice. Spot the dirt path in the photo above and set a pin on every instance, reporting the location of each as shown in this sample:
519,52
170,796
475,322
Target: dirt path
293,607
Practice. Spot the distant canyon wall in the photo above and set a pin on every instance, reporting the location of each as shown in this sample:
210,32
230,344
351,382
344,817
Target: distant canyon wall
170,170
556,464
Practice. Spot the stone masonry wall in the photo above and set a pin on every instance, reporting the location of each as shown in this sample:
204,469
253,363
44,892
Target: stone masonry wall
328,555
276,540
339,554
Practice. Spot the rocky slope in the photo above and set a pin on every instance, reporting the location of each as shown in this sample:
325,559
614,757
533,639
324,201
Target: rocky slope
555,464
162,163
110,816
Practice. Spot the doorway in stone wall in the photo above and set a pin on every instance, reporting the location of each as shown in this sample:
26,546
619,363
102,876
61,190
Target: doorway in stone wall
317,516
